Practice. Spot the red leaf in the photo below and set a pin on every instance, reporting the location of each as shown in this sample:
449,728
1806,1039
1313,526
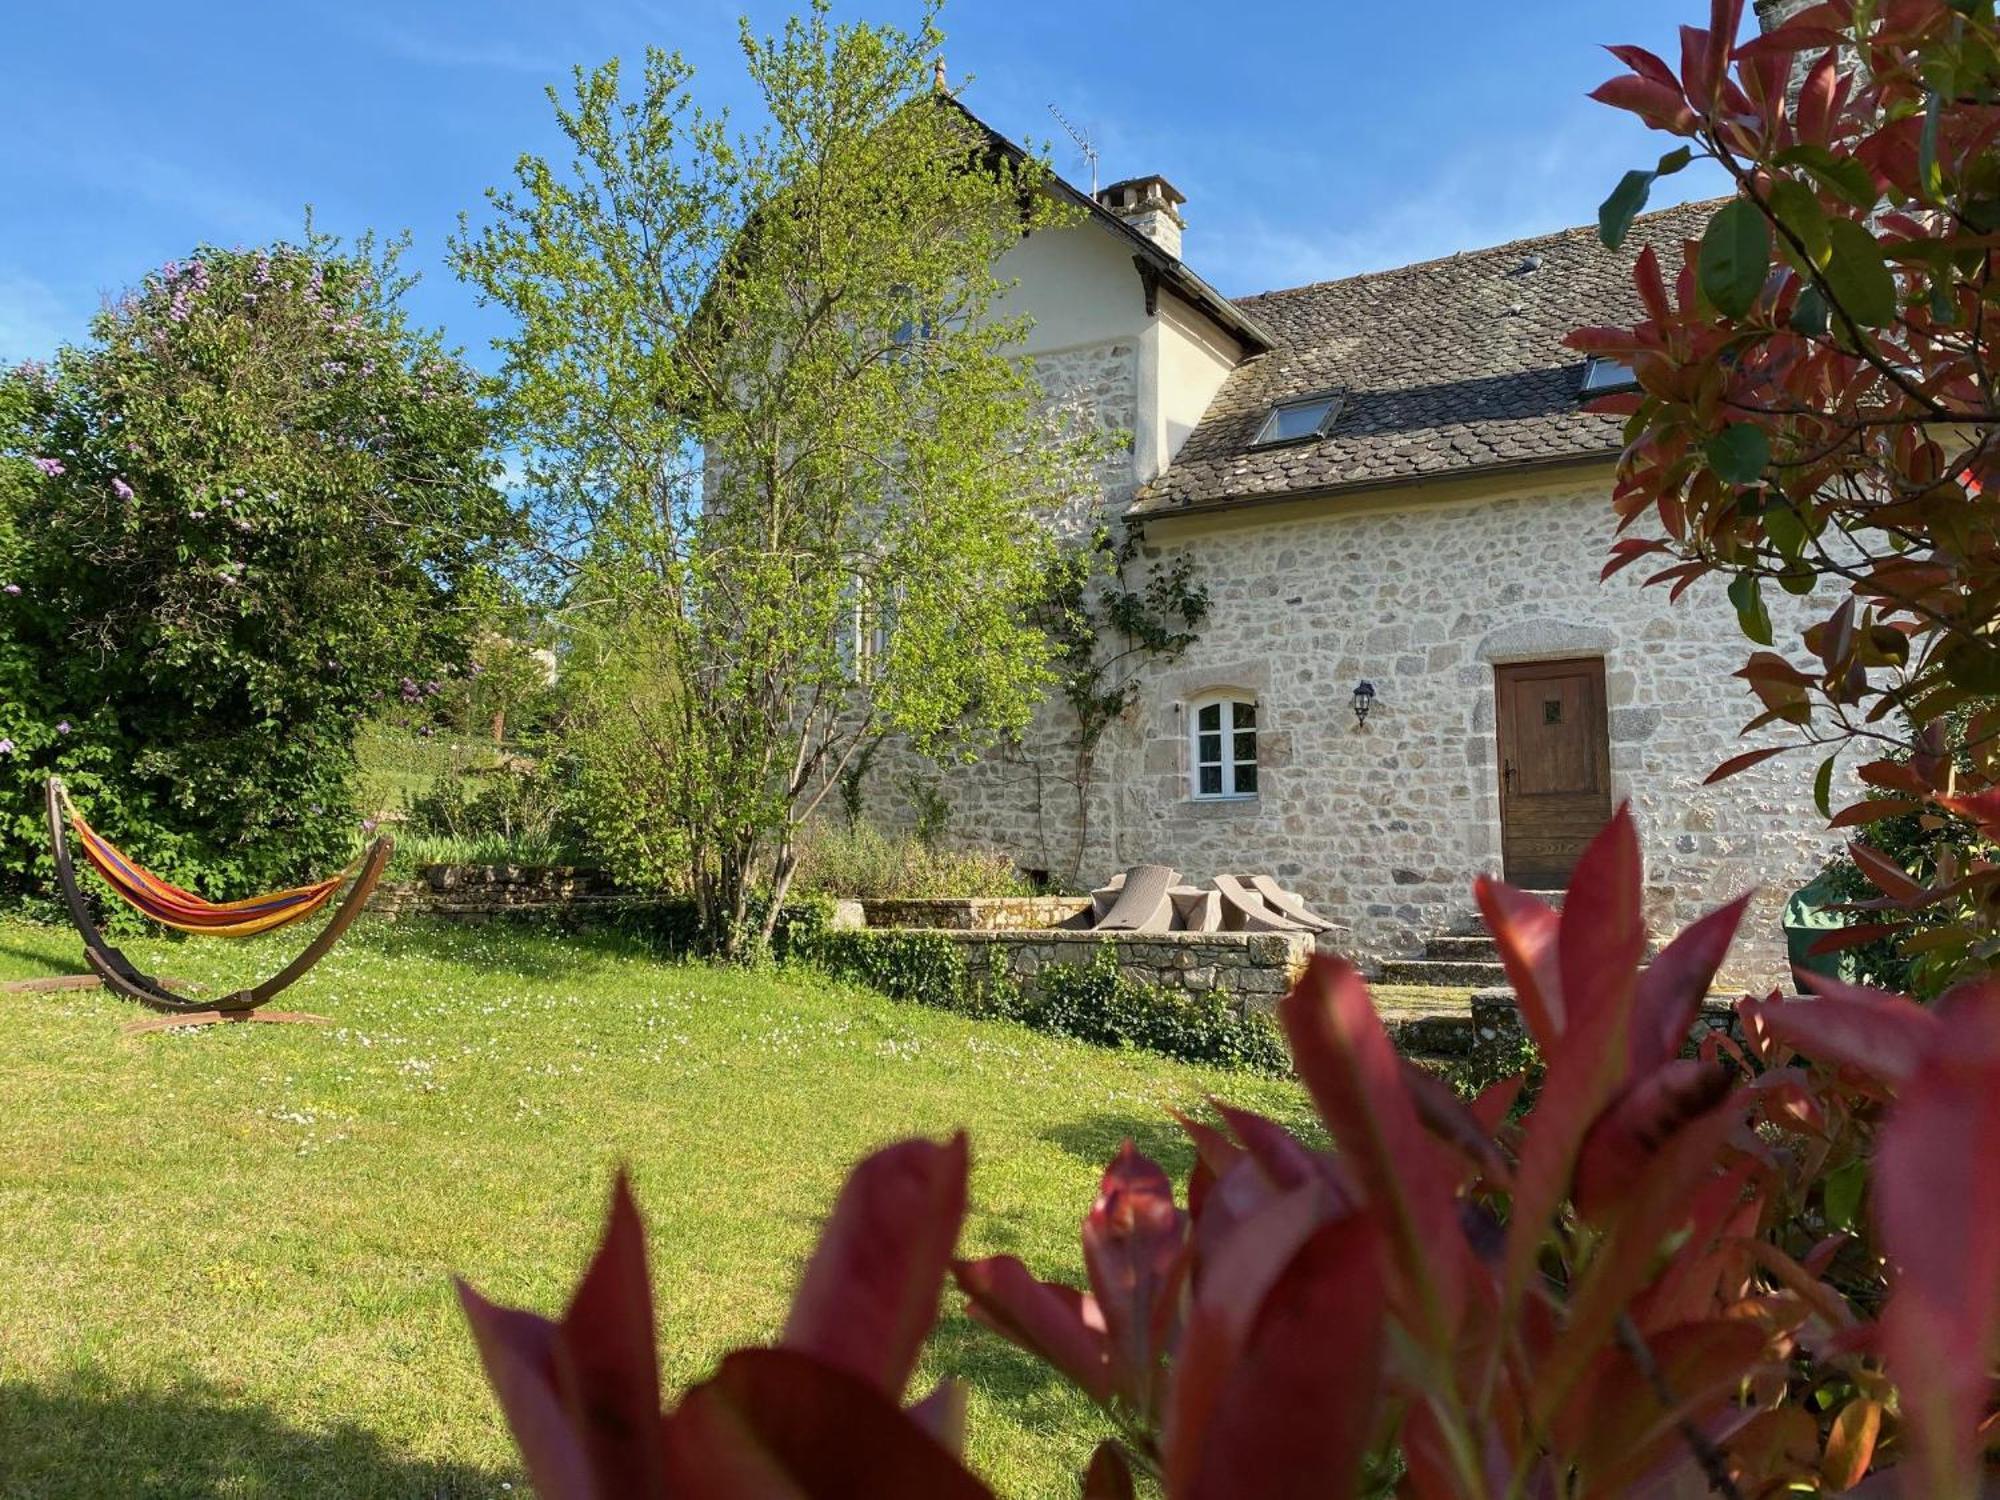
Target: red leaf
1292,1409
1661,1202
1058,1323
518,1351
1523,928
1621,1144
1850,1444
942,1415
870,1292
583,1396
1620,1429
1888,877
1743,762
1599,944
1982,808
781,1425
1842,938
1491,1105
1284,1158
1872,811
1659,106
1674,984
1651,286
1602,936
1355,1078
1109,1477
1134,1247
1646,64
1937,1207
1448,1118
1701,65
1881,1035
607,1360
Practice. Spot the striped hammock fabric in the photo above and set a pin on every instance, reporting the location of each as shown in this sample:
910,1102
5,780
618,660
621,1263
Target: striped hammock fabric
171,906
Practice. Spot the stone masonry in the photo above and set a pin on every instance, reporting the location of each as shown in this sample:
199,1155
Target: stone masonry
1383,828
1254,969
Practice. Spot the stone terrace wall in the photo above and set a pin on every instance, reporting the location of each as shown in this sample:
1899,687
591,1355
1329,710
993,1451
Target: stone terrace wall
476,891
1253,968
978,913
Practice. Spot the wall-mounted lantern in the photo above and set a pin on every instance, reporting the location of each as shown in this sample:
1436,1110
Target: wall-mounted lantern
1364,699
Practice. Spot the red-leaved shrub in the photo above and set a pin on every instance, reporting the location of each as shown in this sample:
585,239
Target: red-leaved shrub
1661,1280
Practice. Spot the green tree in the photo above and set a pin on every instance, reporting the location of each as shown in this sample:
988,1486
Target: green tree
784,453
254,503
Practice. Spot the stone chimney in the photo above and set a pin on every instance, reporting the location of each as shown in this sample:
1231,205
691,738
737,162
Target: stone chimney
1150,205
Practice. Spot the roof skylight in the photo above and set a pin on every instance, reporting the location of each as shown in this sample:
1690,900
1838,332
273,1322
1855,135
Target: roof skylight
1297,421
1602,376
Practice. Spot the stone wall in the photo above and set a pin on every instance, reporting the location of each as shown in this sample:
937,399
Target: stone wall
979,913
474,891
1253,968
1024,795
1382,828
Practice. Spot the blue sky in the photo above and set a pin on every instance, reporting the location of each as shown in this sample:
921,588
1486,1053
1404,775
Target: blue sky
1312,140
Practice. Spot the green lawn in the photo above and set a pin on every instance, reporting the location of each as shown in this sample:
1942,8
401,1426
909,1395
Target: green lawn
226,1252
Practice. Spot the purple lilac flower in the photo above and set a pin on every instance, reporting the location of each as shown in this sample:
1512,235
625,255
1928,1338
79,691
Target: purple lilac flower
62,726
409,689
6,747
369,825
49,466
121,489
12,588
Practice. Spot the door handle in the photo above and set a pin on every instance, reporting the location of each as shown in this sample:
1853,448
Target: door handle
1507,774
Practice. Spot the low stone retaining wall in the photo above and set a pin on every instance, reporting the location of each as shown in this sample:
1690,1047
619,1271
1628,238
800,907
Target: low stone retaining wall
476,891
1253,968
1498,1030
979,913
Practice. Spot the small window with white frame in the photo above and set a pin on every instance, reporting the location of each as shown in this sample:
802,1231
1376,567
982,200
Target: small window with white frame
1222,743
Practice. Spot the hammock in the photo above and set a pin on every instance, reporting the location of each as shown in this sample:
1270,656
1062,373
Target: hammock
167,903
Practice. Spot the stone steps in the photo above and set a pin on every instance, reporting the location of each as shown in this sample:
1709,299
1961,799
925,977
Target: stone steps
1436,1028
1461,974
1463,947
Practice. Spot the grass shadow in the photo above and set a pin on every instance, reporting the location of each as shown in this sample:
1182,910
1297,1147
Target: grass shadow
517,944
83,1439
1096,1139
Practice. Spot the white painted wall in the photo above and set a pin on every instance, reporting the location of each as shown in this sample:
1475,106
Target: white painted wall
1077,283
1082,290
1195,357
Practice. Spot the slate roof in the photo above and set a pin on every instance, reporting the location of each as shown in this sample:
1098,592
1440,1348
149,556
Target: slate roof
1449,366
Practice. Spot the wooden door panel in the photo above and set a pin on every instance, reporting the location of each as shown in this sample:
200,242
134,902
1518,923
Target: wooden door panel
1555,766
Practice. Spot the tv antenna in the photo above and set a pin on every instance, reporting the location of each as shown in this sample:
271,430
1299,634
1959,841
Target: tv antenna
1083,146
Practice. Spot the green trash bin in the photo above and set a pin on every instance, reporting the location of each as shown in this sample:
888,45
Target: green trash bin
1807,920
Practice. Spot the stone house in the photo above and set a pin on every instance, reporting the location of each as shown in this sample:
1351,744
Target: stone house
1389,489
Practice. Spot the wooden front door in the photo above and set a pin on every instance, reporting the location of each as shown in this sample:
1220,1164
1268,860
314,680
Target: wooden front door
1555,766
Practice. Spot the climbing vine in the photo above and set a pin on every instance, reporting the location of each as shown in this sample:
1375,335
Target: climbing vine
1108,619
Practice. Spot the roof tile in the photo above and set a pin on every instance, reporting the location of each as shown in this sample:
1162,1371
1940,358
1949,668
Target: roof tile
1448,365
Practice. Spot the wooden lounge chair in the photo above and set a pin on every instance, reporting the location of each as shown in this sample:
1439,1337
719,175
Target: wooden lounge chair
1197,909
1289,904
1143,904
1243,910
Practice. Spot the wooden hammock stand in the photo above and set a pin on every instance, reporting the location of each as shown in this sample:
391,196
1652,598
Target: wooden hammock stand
117,973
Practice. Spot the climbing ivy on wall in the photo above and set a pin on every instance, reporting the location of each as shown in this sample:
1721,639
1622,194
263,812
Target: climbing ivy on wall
1109,620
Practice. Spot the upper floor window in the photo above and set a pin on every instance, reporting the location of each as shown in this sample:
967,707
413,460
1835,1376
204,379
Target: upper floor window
1602,376
1223,741
1296,421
